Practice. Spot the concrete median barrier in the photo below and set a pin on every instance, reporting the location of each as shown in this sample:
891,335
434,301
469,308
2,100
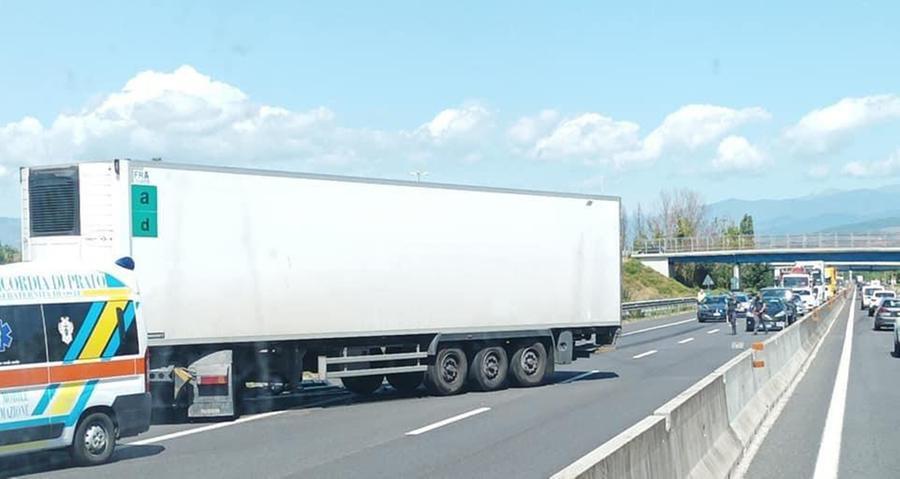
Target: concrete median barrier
704,431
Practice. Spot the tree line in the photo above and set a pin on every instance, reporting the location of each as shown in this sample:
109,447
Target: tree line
682,213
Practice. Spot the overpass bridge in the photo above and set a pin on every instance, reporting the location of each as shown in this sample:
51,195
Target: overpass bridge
856,251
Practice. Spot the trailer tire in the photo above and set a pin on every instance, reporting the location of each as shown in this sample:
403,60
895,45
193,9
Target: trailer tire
363,385
489,368
447,376
529,364
405,382
94,441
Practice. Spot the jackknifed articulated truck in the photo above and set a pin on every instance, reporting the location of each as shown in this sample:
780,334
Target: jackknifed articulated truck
252,277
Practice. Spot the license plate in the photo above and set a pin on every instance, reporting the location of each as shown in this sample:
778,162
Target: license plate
779,324
717,313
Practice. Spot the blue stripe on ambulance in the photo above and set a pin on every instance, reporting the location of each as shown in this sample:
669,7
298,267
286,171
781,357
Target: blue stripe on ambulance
45,400
84,332
113,346
69,419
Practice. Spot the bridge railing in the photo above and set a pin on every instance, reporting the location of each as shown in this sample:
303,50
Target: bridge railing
769,242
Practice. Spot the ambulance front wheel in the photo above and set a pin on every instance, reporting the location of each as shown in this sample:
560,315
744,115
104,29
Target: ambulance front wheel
95,440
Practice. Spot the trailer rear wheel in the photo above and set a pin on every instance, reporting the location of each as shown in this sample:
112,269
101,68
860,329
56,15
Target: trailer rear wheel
489,368
363,385
448,373
529,364
405,382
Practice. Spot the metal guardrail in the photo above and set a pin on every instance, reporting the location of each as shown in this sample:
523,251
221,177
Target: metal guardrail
757,242
641,308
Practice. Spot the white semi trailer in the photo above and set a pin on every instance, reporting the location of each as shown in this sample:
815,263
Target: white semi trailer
255,277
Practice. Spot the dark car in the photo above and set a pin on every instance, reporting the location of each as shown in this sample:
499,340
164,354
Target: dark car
786,295
887,312
778,312
715,308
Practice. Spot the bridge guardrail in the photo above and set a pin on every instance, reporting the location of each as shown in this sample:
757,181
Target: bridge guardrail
771,242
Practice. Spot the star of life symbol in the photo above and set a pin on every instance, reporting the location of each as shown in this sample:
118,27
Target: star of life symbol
6,337
65,328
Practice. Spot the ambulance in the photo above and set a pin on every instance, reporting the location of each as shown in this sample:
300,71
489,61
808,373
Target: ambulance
73,359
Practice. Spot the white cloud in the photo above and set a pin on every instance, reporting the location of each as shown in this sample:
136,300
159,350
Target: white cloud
890,166
595,138
693,126
454,123
528,129
735,153
187,116
590,136
820,131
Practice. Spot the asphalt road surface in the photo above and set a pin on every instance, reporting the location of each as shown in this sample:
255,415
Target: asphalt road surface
523,432
863,434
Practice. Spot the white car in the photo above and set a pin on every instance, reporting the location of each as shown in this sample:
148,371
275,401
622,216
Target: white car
867,293
809,299
877,297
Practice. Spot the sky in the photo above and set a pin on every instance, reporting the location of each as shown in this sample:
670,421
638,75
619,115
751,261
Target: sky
734,100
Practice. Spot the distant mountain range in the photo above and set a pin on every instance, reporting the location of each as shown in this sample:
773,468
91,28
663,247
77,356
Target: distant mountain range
846,211
9,232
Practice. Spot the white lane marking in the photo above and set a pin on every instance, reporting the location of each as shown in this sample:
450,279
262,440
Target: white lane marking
212,427
676,323
643,355
685,341
712,331
830,448
197,430
580,376
741,470
449,420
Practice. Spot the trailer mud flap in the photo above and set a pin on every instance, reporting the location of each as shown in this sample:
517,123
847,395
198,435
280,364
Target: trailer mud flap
213,386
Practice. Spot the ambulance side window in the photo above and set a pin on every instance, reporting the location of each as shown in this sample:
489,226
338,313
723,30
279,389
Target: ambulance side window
100,329
22,335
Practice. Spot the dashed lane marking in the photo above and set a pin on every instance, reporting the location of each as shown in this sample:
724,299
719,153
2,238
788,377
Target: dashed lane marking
449,420
644,355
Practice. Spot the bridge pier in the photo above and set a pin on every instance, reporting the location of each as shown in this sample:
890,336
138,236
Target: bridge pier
660,265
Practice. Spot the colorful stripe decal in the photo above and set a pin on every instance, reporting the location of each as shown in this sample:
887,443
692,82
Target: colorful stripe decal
84,332
82,403
105,327
115,340
65,399
45,400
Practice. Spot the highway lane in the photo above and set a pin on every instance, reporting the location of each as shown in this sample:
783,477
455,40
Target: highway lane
527,432
870,424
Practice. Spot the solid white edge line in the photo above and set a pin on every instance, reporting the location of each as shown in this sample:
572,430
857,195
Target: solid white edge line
741,470
712,331
685,341
449,420
643,355
580,376
828,460
667,325
212,427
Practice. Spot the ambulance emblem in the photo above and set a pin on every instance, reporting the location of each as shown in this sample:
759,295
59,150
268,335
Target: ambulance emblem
65,328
